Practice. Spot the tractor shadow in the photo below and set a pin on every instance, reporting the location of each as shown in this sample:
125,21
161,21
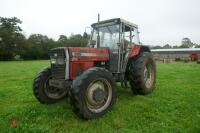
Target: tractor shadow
124,92
62,109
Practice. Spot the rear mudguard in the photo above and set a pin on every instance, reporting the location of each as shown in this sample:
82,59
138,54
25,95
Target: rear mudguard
134,52
137,49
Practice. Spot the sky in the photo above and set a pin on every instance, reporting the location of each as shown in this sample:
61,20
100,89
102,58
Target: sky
160,21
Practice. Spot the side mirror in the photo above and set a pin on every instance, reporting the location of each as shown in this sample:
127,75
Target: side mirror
93,42
118,44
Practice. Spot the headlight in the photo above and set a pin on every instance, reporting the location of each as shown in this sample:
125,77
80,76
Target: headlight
58,61
53,61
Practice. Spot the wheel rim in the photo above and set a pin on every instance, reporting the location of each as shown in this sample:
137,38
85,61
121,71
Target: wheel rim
98,95
148,76
53,92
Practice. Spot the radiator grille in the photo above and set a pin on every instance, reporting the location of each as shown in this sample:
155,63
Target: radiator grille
58,70
59,51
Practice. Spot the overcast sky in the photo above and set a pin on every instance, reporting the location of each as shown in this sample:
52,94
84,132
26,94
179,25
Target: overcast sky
160,21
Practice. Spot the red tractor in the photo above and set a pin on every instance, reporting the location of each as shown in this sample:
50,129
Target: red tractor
88,75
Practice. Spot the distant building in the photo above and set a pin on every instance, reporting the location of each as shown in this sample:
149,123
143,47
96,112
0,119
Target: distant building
176,54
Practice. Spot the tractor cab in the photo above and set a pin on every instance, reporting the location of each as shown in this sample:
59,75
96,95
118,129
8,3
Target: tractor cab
118,35
114,34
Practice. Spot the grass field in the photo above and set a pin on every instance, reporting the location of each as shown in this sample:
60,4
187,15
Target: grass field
173,107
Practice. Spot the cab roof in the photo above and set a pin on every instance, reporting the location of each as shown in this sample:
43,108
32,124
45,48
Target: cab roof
115,21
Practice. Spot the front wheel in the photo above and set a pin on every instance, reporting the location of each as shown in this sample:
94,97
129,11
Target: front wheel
92,93
43,92
142,73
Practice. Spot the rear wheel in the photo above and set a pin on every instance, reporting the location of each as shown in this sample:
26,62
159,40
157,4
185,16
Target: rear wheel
45,93
92,93
142,74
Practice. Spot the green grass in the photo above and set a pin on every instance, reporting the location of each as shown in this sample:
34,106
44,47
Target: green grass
174,106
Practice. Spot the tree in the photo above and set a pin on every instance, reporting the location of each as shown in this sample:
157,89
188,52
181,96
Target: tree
197,45
77,41
40,46
167,46
62,40
186,43
11,24
12,42
175,46
156,47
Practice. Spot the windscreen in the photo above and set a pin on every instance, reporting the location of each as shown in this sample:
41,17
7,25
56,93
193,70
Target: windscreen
109,36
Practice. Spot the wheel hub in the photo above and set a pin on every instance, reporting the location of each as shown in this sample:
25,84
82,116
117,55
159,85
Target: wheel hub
53,92
99,95
96,93
148,76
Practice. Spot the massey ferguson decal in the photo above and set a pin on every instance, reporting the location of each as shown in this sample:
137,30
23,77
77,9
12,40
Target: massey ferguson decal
89,54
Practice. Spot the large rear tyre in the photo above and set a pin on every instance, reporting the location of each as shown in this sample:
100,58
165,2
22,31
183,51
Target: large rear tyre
43,92
142,74
92,93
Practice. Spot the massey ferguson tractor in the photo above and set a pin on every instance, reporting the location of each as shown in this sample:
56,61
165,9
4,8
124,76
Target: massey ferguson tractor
88,74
